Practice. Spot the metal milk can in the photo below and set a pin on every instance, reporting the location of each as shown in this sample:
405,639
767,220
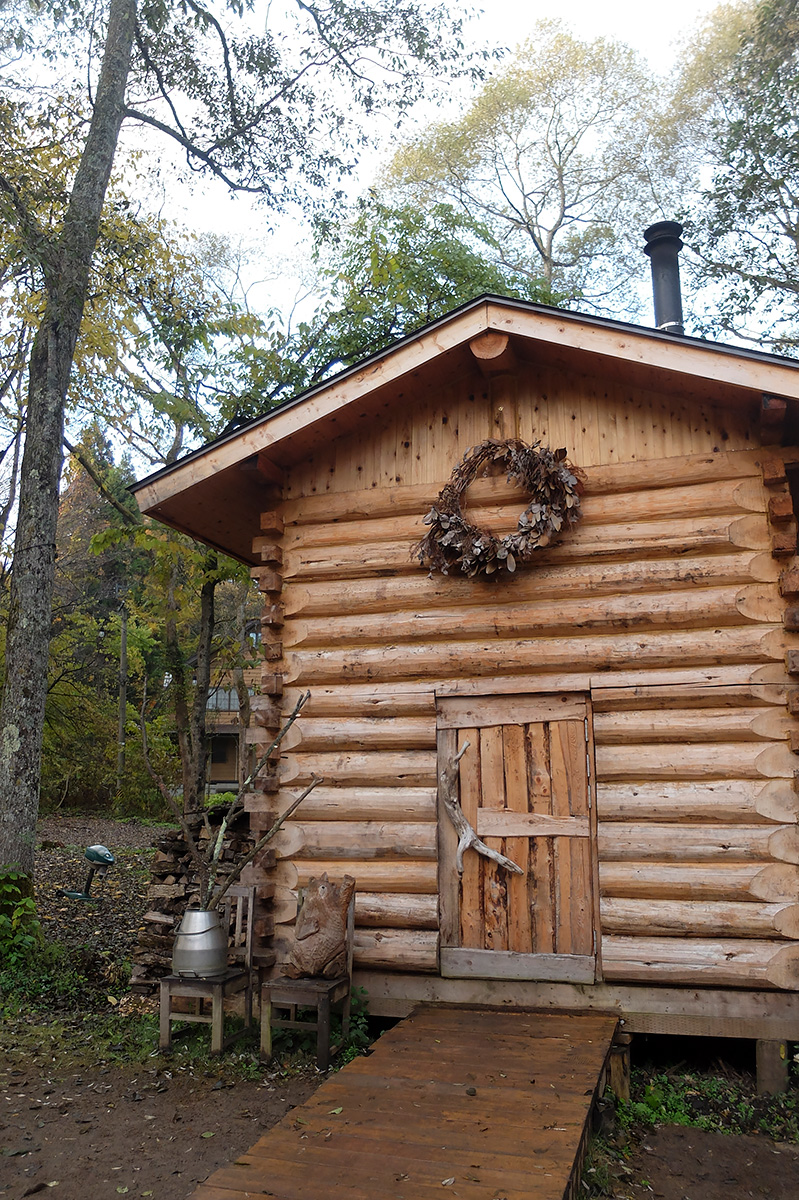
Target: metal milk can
200,949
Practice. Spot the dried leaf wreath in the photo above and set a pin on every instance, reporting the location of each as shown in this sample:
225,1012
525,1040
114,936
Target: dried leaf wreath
553,486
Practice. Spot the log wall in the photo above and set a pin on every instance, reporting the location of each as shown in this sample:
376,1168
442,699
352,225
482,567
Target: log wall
665,605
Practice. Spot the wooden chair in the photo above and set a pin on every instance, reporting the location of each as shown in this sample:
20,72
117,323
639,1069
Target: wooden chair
237,910
319,994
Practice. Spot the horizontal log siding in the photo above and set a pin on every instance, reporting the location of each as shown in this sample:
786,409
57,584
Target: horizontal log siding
663,604
697,810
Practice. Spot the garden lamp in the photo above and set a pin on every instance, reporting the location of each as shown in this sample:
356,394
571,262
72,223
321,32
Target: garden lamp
100,859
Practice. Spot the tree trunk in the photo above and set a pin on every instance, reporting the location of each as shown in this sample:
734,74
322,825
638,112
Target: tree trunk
190,714
199,757
67,266
242,691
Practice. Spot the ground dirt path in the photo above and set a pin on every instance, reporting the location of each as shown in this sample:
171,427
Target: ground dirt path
675,1163
146,1132
80,1129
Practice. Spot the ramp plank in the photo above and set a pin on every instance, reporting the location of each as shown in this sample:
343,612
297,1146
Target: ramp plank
488,1099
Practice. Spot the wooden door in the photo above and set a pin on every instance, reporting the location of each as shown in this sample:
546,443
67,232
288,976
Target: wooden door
525,786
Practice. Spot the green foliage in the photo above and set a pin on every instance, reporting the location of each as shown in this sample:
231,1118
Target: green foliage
294,1045
248,92
152,326
104,562
745,226
384,271
79,767
359,1036
20,932
251,107
126,1040
54,978
604,1163
39,977
219,803
394,268
720,1100
725,1103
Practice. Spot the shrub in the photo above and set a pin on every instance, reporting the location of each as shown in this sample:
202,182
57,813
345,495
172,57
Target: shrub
20,931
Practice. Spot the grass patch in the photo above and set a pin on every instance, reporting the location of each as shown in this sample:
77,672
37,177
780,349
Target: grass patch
723,1103
95,1042
41,994
56,978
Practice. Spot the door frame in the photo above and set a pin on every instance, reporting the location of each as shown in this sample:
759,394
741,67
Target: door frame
456,961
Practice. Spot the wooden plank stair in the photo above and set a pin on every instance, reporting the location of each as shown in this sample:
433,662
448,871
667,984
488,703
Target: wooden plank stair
461,1102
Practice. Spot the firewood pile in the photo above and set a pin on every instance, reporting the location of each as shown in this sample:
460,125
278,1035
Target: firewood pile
172,889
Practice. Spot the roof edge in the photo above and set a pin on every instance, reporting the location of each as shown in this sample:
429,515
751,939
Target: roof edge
487,301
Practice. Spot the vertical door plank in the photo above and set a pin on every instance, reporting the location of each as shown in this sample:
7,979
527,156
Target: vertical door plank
541,886
495,885
571,739
520,928
471,905
540,766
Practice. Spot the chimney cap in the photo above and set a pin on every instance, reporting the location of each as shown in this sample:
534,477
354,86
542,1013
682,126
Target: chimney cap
663,246
663,233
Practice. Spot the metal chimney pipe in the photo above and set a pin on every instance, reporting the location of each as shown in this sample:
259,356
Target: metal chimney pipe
663,246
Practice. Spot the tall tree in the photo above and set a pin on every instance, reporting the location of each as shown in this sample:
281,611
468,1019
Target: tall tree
744,228
383,271
391,269
255,111
84,661
554,156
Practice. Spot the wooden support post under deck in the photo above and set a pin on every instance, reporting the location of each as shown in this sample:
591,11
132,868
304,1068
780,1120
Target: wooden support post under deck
772,1067
619,1066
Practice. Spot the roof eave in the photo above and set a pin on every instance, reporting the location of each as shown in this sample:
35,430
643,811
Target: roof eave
738,367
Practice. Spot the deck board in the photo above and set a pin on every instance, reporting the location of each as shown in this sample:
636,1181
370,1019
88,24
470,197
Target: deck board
408,1124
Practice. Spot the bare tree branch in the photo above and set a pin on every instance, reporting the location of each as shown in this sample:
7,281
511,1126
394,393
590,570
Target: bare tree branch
194,151
259,845
101,485
467,838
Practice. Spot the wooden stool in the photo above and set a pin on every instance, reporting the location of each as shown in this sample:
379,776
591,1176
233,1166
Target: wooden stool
320,994
317,993
217,991
237,914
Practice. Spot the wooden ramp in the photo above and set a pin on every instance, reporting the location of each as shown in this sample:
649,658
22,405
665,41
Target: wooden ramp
453,1102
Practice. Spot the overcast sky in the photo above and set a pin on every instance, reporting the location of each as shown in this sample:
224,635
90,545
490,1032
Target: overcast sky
655,32
651,29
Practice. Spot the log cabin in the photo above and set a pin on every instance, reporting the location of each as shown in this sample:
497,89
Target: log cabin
630,695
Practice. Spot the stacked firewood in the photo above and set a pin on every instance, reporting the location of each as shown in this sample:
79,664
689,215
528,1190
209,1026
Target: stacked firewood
172,887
